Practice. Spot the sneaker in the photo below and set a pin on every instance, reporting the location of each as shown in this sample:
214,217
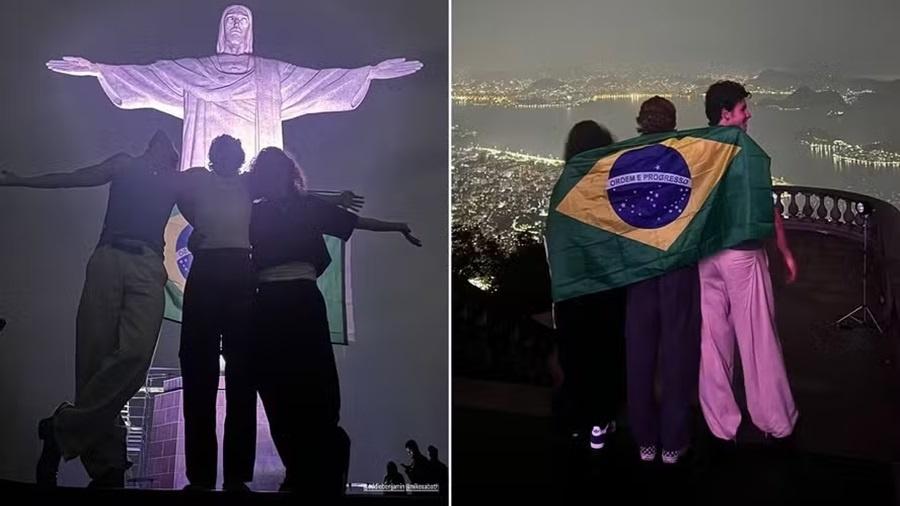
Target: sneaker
598,436
648,453
673,456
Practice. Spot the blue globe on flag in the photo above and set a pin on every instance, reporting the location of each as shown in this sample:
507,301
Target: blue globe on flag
649,187
183,256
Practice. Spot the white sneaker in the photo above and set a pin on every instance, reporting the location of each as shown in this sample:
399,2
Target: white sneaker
598,437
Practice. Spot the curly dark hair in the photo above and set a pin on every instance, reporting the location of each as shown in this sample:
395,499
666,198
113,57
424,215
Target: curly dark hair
226,155
656,115
272,166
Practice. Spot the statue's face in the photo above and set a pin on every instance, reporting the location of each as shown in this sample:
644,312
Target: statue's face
236,25
235,31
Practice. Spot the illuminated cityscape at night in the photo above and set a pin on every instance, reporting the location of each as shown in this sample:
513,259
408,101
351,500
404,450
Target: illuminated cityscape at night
630,84
508,134
503,194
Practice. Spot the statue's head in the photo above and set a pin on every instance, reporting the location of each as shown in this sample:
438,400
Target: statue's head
235,31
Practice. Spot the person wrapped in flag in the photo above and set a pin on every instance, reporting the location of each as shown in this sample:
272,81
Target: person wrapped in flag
591,342
662,322
653,204
738,308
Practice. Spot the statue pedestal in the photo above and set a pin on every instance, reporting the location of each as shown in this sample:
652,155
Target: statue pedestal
165,445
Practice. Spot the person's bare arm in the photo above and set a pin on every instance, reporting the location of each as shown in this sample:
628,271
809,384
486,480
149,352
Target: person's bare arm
782,244
346,199
95,175
388,226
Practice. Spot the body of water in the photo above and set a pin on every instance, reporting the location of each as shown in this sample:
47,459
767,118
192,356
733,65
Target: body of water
542,132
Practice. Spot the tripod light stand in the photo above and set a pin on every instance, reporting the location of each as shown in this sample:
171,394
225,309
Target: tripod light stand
862,315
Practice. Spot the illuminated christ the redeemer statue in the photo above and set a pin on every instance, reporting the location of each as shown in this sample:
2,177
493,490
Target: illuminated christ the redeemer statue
233,92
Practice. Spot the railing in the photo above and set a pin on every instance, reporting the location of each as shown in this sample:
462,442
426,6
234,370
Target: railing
839,213
823,210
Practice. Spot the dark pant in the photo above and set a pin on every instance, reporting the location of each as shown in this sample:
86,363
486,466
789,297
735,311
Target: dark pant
216,319
298,384
592,356
663,327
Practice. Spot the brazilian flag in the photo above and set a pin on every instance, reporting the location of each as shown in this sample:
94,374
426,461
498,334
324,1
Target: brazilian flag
642,207
334,283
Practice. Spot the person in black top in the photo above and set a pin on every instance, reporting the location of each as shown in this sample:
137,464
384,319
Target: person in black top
293,360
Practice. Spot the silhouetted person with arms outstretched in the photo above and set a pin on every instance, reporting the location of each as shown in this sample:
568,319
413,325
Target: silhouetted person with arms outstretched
120,312
292,352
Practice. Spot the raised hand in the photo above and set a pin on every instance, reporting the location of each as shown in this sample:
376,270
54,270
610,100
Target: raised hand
407,233
351,201
395,67
73,66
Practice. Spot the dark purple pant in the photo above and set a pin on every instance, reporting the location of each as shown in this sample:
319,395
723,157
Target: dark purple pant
662,331
592,355
298,383
218,300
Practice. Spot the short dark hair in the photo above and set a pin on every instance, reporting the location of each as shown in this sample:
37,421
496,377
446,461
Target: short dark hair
586,135
225,155
723,95
412,446
656,115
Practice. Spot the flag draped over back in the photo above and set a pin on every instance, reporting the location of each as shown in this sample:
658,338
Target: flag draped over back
334,283
642,207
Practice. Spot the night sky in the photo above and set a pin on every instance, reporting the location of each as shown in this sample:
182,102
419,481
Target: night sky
857,38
